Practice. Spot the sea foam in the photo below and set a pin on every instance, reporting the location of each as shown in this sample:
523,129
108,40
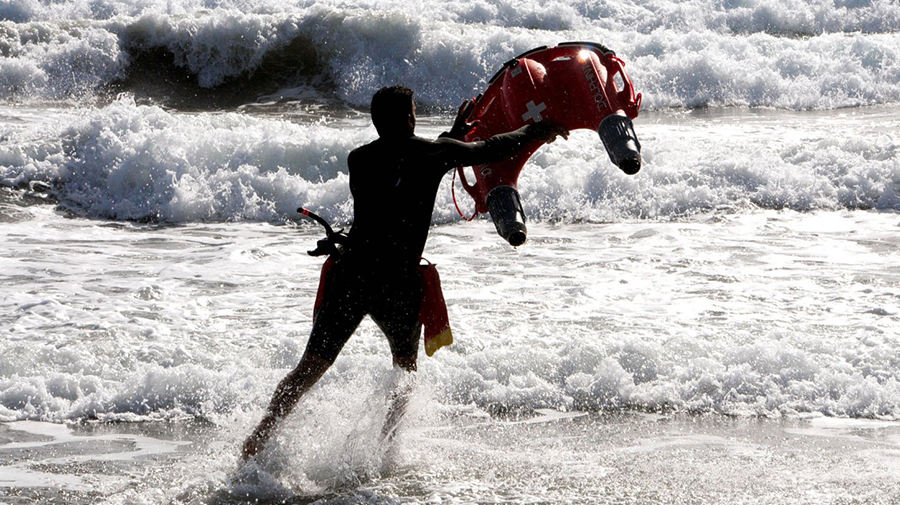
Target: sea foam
136,162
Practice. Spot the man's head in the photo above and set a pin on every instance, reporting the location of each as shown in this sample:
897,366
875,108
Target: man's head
393,111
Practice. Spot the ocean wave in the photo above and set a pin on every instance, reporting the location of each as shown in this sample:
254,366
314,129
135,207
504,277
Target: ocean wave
802,56
134,162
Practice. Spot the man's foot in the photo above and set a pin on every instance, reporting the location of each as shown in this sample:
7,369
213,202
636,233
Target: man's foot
256,442
287,394
252,446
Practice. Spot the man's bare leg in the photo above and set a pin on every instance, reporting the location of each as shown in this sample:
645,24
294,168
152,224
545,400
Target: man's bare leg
287,394
400,399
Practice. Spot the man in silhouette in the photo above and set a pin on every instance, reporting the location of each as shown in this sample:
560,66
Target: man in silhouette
394,181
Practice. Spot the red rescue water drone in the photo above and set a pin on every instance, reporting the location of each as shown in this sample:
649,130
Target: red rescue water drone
576,84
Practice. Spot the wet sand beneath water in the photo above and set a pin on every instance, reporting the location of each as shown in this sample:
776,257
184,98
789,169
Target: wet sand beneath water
550,458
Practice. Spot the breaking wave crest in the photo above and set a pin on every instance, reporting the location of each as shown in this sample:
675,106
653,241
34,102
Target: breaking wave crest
799,55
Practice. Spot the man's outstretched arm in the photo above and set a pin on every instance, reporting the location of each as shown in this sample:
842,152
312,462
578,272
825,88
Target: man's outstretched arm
499,147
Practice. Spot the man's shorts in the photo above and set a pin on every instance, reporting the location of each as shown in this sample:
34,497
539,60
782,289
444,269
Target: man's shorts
391,295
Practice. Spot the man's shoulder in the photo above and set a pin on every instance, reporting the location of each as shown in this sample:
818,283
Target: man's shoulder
409,147
395,147
364,154
362,149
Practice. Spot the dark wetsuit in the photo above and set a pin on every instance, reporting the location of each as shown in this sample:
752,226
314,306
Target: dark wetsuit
394,183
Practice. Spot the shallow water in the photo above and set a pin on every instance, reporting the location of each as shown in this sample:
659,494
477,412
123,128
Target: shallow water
773,313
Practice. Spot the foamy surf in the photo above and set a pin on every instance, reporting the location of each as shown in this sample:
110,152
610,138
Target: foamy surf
736,315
